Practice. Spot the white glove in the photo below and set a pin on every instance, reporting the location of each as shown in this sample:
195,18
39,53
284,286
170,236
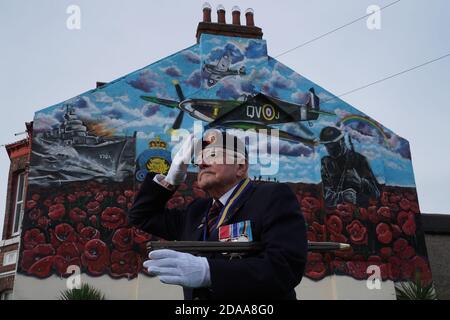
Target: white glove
180,162
179,268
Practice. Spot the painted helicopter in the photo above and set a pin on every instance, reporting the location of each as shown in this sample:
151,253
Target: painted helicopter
215,72
256,112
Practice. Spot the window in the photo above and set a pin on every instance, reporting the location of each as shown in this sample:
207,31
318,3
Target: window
10,258
19,206
6,295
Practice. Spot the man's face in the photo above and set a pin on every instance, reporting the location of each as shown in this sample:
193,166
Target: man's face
219,168
335,149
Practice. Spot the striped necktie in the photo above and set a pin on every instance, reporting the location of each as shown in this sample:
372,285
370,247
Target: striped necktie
213,214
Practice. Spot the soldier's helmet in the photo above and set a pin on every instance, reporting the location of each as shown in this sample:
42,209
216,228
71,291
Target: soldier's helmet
330,135
333,140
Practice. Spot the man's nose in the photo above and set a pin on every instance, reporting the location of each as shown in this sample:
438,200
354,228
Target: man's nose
203,165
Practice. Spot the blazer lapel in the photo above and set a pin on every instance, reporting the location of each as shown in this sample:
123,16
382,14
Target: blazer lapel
200,223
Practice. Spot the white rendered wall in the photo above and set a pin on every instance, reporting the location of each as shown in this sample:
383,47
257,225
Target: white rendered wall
330,288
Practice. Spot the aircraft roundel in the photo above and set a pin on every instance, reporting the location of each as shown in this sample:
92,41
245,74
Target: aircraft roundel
268,112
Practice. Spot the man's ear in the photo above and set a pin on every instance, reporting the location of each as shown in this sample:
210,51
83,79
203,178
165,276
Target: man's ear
242,169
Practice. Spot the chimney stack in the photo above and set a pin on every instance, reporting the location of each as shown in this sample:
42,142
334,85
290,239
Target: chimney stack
234,29
236,12
249,17
221,14
206,12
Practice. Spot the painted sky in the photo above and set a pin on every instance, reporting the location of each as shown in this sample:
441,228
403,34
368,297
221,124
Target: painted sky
120,110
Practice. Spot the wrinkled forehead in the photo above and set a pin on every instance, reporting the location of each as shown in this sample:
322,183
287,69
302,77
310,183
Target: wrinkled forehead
219,155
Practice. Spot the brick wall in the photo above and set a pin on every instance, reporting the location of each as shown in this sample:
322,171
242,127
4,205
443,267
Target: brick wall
3,251
19,153
7,281
438,247
18,165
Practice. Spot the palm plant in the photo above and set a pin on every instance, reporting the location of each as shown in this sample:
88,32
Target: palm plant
415,290
86,292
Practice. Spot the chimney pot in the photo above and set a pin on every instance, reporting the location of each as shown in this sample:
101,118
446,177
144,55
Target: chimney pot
206,12
221,14
236,12
249,17
236,29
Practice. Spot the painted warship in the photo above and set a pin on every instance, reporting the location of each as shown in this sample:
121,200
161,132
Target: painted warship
73,134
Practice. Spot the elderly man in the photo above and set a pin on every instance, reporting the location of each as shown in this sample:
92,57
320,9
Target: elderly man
268,213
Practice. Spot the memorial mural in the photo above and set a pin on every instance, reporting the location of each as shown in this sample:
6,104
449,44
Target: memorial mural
353,177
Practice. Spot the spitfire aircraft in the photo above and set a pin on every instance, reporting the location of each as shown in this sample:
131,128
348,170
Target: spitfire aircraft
215,72
253,112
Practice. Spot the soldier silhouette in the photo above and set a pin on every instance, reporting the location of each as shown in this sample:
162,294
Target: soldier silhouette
346,174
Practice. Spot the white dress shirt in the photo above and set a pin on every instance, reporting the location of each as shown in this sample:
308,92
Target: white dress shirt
224,198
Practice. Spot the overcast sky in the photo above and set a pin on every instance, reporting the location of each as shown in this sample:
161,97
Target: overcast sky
42,62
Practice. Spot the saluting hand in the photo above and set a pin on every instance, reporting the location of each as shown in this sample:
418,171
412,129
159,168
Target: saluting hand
180,162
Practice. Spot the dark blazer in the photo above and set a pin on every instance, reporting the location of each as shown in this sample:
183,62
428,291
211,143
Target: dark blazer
276,221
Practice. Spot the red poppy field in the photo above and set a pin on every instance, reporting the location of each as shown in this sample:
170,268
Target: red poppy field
86,225
386,233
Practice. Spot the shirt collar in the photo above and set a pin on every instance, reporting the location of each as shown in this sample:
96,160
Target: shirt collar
224,198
